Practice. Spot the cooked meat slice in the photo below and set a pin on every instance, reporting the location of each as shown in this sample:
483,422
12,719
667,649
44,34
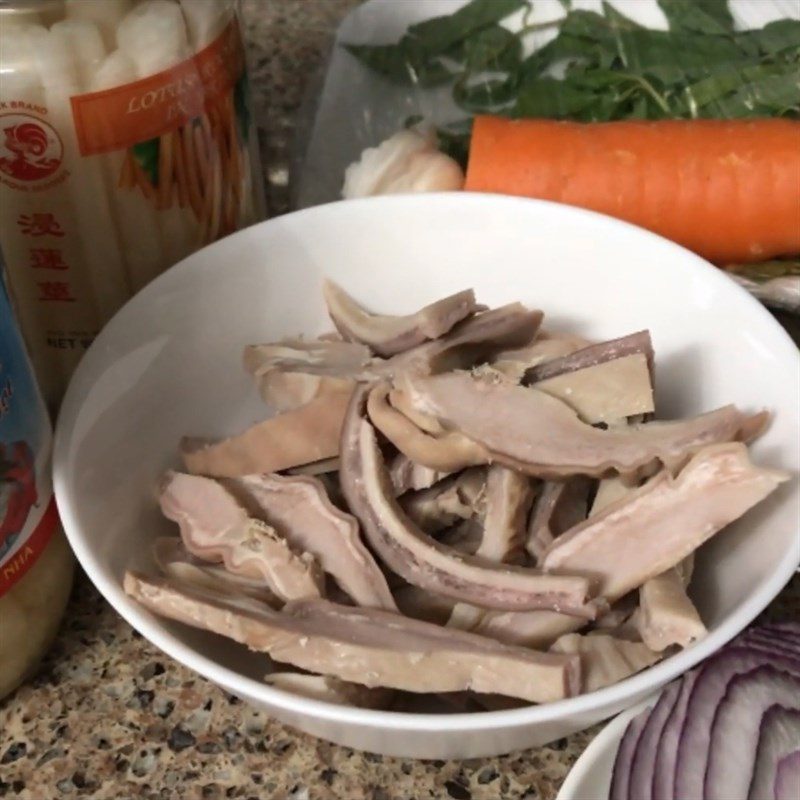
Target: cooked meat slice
293,372
546,347
449,452
657,525
458,497
324,467
538,629
686,570
329,689
389,335
301,436
313,357
605,392
559,505
604,659
424,422
508,500
366,646
298,508
285,391
666,614
424,562
634,344
175,561
538,434
216,528
408,476
609,490
471,342
422,604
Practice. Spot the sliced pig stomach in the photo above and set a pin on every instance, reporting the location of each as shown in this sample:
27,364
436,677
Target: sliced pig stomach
366,646
421,560
542,436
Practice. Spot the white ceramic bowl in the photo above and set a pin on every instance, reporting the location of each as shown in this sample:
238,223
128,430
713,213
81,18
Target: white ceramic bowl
169,364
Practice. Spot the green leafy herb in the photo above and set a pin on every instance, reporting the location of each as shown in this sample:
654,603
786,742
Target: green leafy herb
770,94
435,36
698,16
704,93
674,57
493,48
617,20
600,66
548,97
485,96
774,38
470,38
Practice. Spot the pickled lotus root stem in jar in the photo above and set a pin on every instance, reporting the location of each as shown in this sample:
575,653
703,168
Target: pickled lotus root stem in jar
35,561
126,142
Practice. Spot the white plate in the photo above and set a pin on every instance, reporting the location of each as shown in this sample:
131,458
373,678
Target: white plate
590,776
358,109
169,364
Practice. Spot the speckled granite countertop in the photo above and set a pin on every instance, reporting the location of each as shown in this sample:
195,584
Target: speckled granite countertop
111,717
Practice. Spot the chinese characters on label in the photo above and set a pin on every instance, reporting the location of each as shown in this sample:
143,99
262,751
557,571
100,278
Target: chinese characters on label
35,225
47,258
55,292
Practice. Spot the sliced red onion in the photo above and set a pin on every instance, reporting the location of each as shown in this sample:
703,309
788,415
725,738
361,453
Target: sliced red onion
779,737
644,759
787,781
790,630
729,730
709,689
774,635
664,770
620,778
771,645
731,756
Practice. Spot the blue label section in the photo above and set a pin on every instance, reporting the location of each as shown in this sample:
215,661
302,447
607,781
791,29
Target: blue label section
20,406
25,489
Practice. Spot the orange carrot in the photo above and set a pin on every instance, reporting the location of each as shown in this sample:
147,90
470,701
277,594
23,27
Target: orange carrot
729,190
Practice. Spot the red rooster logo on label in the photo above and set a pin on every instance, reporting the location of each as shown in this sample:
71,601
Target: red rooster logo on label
30,149
17,490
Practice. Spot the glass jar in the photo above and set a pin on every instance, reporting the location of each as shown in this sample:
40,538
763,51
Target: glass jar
36,564
126,142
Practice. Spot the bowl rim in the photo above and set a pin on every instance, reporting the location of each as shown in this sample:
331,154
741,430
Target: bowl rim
622,692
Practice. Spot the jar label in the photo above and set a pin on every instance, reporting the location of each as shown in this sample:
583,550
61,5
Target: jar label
28,515
117,118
